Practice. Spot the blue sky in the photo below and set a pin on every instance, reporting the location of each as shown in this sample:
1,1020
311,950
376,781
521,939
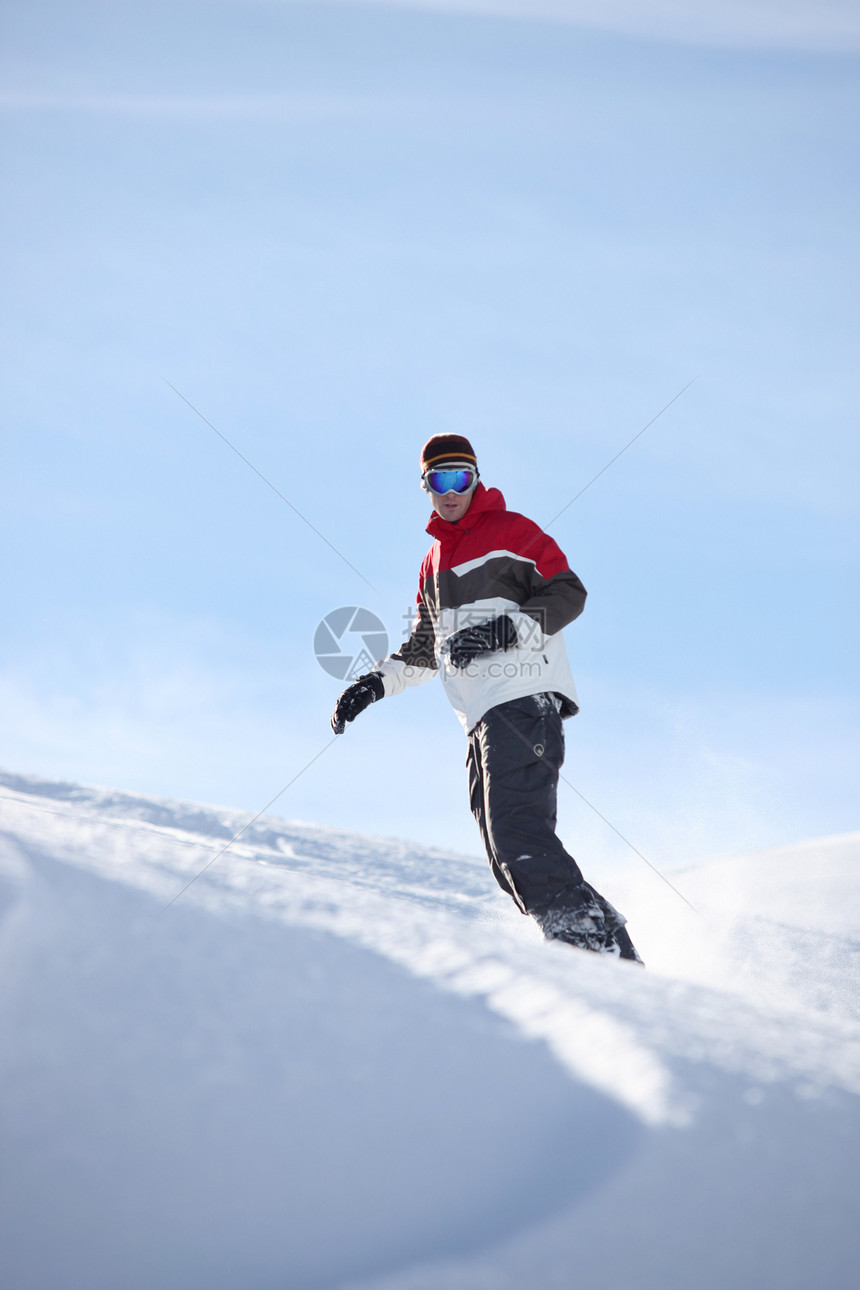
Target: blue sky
338,229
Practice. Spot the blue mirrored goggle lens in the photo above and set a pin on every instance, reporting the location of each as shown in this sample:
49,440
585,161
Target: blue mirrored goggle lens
450,481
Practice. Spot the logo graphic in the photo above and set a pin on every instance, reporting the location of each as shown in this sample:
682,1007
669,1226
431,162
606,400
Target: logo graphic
349,641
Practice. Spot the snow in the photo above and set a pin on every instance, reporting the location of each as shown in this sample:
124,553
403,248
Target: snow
346,1063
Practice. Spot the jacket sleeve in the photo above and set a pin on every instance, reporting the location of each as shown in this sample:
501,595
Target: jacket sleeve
415,661
554,595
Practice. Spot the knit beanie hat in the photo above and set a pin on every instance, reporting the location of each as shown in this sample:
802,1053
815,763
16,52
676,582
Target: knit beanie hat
447,447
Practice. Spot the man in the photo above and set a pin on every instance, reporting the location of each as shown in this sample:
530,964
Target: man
493,596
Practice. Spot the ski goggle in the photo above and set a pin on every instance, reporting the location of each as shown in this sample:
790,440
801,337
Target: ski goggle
460,480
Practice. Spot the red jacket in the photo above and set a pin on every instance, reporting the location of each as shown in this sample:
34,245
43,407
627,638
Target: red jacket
493,561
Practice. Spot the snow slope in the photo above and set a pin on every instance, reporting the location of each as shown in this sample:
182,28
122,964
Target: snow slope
344,1063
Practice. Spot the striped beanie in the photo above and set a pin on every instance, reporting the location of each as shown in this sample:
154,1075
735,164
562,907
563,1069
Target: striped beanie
447,447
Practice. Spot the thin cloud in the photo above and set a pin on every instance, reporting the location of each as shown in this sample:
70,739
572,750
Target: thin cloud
817,25
258,107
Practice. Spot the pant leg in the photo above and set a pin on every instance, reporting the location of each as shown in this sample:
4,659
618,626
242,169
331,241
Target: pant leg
475,772
515,754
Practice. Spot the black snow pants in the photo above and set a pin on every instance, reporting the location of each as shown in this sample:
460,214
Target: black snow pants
514,757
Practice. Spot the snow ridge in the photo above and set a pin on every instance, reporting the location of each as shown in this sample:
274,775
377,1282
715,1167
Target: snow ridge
437,915
374,1041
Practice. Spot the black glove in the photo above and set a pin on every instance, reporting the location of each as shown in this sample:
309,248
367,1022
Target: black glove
355,698
495,633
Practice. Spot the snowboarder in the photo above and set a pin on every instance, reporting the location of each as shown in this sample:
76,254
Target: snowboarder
493,596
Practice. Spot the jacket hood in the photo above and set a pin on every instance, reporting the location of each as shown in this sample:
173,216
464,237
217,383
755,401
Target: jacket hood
483,500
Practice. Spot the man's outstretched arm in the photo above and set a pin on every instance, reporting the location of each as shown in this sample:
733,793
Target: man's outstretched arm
412,664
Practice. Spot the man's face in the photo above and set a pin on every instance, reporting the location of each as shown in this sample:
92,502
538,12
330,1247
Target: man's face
451,506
